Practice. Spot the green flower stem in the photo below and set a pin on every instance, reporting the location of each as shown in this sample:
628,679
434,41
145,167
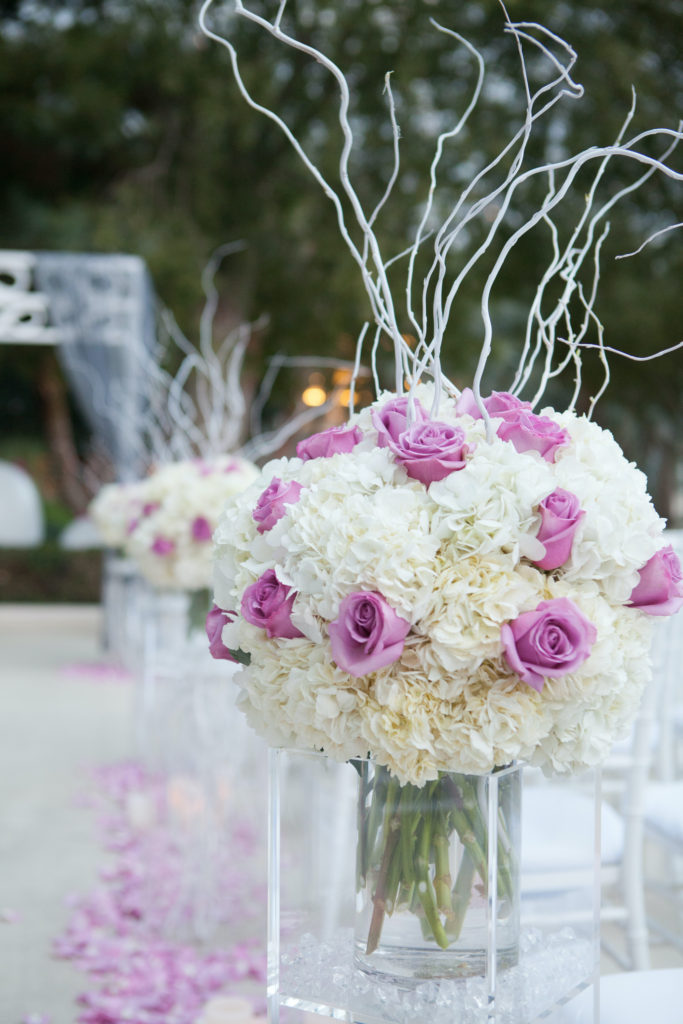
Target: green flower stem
379,900
410,819
405,898
405,834
425,888
469,823
460,897
374,817
199,605
442,868
476,818
393,874
464,827
506,855
362,864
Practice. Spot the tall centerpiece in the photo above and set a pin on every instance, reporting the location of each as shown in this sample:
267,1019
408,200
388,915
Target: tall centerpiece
448,603
447,585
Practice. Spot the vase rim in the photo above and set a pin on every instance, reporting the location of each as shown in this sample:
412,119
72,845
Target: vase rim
497,773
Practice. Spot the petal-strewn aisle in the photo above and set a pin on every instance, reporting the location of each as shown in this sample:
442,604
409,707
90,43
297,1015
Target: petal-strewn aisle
55,723
72,878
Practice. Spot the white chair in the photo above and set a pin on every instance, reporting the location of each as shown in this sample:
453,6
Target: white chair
663,799
22,523
634,997
80,534
558,825
668,669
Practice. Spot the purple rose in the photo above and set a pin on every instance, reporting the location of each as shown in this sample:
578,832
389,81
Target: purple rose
268,603
550,641
530,433
391,420
560,516
201,529
367,634
215,620
430,450
334,441
659,590
271,504
163,546
500,404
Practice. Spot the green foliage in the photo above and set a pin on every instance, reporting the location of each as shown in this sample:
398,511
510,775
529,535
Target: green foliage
123,130
48,574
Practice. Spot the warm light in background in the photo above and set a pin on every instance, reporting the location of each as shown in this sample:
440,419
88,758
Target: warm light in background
341,376
361,398
314,396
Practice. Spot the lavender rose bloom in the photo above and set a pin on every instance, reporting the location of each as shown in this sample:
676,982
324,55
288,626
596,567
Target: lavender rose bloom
268,603
201,529
659,590
391,419
215,620
430,450
528,432
367,634
334,441
560,516
270,506
163,546
552,640
500,404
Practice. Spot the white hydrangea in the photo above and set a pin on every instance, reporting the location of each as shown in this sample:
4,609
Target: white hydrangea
113,509
179,508
454,559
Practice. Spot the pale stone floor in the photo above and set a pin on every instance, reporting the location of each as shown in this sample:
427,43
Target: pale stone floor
54,725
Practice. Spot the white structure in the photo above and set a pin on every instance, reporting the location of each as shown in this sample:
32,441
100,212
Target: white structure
22,523
24,313
99,309
104,308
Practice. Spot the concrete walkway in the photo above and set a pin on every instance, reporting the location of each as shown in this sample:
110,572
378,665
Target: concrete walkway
54,725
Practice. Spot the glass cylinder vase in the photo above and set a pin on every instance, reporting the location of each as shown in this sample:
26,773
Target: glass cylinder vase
437,874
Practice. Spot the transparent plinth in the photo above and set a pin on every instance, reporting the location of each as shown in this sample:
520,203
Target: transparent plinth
316,900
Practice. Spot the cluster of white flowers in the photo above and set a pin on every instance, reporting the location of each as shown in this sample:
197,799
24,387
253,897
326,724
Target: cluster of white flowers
113,508
455,558
165,523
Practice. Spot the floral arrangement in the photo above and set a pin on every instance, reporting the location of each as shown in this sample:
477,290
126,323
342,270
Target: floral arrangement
451,583
113,508
447,592
443,592
169,529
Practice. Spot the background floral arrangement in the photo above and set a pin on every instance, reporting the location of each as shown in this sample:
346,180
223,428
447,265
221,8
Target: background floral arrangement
113,508
445,590
170,538
166,521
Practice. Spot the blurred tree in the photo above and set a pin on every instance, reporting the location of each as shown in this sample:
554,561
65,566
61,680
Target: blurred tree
122,130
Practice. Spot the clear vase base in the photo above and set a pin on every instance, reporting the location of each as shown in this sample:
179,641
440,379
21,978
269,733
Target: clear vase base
408,967
325,978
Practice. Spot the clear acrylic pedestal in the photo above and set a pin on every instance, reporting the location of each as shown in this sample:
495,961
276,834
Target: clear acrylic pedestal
312,972
209,770
122,590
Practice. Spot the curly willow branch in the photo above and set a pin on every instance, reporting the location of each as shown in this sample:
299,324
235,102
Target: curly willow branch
485,201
